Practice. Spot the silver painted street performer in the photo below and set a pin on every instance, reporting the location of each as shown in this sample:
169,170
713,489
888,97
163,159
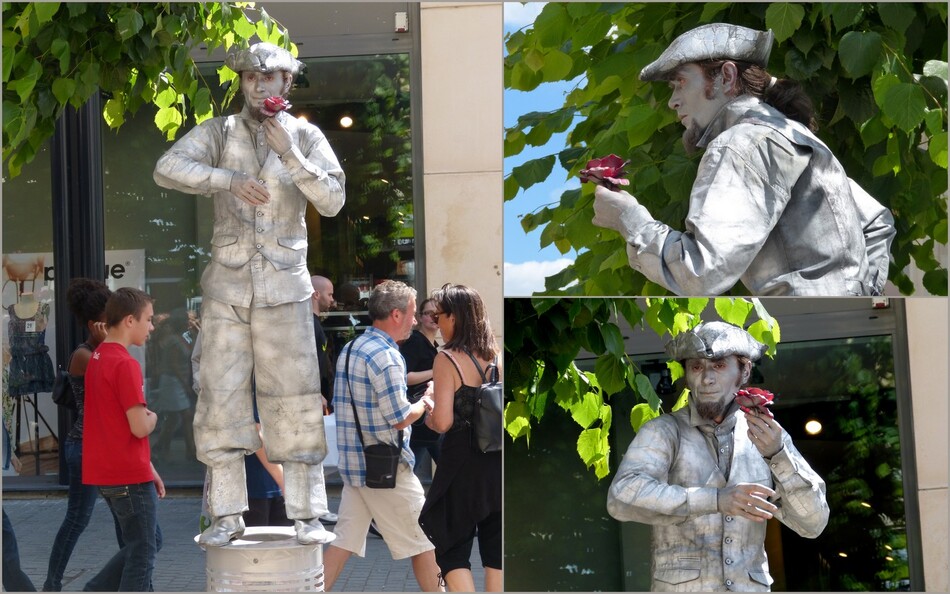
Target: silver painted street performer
261,169
771,206
708,476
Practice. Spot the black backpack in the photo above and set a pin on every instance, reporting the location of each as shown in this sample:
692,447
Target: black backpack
489,414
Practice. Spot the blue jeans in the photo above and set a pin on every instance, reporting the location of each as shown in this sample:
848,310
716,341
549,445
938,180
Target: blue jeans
14,580
134,507
82,500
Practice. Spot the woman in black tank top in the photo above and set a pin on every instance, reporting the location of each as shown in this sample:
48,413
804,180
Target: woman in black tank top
464,501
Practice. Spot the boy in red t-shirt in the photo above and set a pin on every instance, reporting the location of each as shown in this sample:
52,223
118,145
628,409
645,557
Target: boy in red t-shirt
116,456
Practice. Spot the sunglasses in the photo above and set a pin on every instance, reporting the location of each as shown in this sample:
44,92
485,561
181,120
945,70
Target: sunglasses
435,315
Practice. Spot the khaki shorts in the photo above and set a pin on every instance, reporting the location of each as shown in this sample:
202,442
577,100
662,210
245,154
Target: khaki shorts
396,512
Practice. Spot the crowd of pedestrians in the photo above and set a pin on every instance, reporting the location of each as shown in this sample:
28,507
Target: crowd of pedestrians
395,374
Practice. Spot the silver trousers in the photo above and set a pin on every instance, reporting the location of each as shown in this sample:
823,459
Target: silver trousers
275,348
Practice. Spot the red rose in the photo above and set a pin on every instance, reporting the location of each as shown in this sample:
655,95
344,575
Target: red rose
607,172
273,105
754,398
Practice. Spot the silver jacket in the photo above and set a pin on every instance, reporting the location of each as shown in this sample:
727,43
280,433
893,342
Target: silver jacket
670,477
203,162
771,206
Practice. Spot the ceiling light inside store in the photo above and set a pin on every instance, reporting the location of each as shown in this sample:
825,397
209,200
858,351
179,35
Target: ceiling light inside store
346,122
813,427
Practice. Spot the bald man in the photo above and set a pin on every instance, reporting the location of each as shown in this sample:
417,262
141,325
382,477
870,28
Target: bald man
322,300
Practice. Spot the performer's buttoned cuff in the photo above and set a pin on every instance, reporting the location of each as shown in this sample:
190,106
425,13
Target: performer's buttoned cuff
221,179
782,466
294,166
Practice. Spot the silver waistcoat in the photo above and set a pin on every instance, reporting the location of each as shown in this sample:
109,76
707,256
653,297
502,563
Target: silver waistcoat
203,162
670,477
771,206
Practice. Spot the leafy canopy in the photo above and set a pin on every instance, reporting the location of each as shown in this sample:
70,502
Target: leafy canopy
877,74
60,53
543,338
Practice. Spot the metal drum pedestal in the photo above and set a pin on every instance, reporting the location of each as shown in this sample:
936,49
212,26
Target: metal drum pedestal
265,559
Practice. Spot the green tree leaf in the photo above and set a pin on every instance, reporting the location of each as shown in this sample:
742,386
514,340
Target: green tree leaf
897,16
645,390
168,120
45,11
611,373
128,23
534,171
682,401
613,339
733,310
517,423
784,19
859,52
60,49
63,89
905,104
640,414
593,448
557,65
937,148
843,14
586,410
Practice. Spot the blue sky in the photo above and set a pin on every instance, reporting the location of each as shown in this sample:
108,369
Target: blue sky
526,264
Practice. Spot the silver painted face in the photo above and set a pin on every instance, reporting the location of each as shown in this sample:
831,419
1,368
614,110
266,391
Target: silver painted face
257,86
713,383
695,101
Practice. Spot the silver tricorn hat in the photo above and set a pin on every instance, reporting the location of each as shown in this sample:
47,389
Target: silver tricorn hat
263,57
716,41
714,340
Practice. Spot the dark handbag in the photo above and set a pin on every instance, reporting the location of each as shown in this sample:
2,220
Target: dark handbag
63,390
381,459
489,414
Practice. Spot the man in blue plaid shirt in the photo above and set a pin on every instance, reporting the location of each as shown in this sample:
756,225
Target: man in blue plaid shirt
374,379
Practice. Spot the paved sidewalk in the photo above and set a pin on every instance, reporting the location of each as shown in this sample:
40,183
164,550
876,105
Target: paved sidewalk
180,566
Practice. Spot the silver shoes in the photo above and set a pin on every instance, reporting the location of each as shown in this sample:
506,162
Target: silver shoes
312,532
222,531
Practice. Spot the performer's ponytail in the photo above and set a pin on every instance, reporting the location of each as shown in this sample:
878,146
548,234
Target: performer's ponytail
788,97
783,94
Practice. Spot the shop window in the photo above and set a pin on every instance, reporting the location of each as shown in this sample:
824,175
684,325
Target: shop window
29,416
